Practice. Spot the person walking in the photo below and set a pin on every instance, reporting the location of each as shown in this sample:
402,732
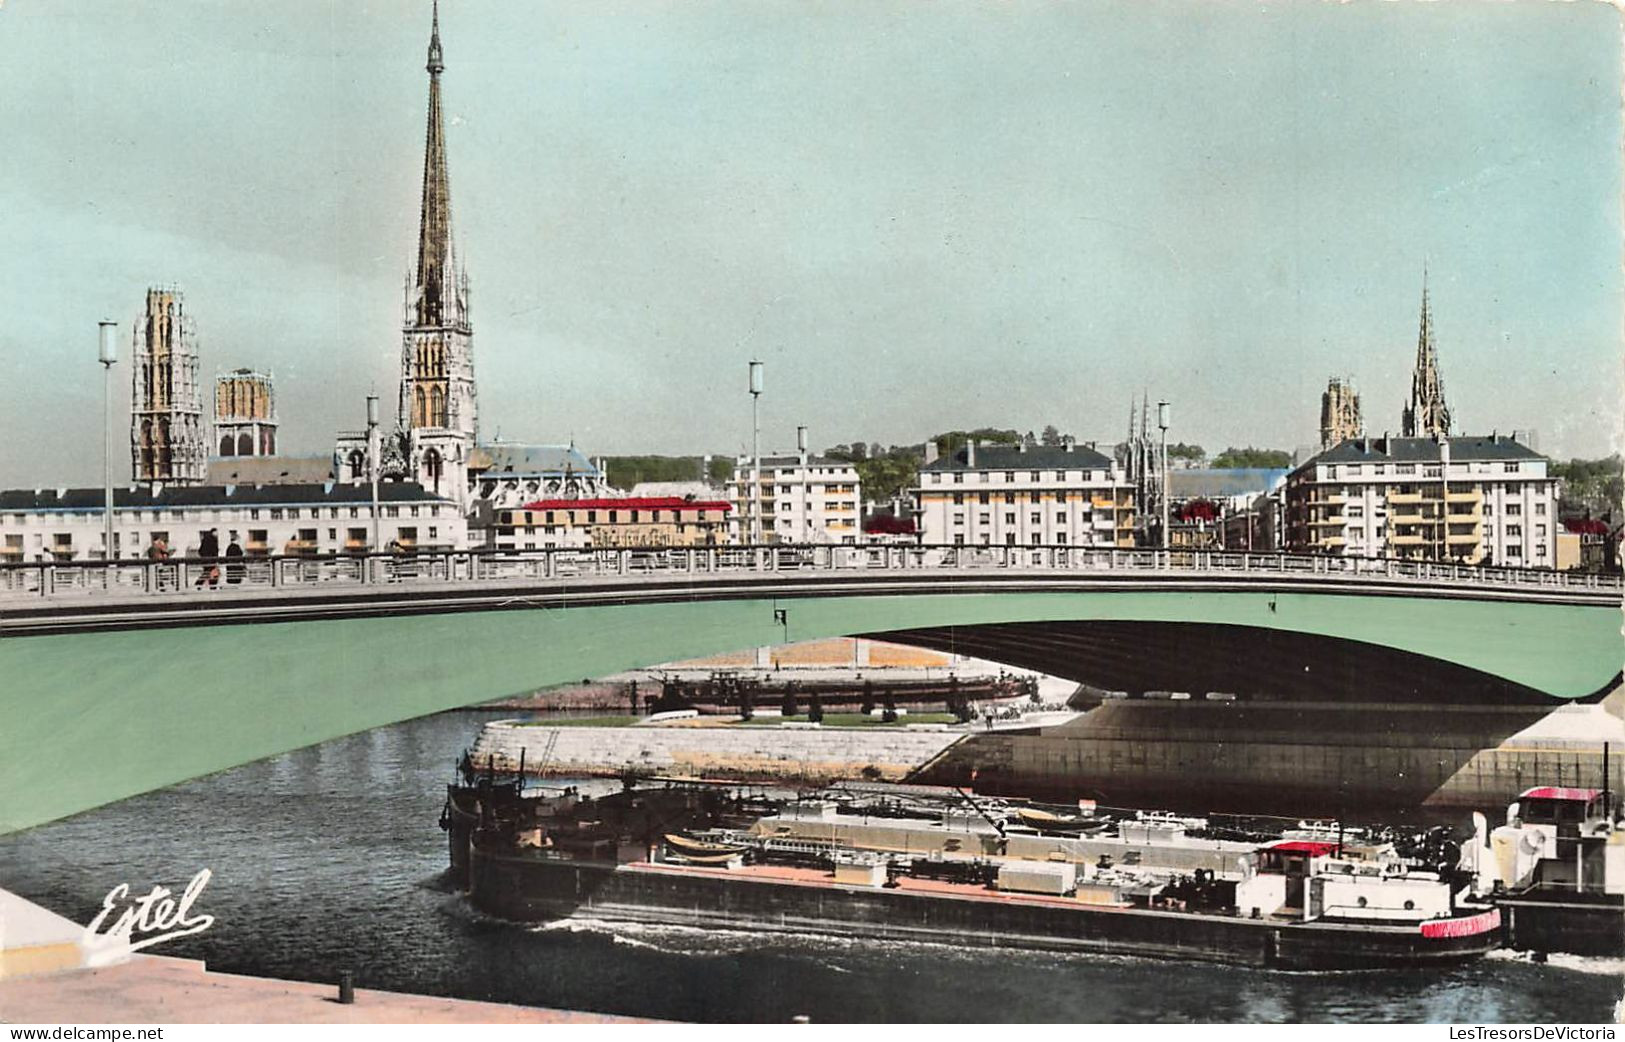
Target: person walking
234,561
209,550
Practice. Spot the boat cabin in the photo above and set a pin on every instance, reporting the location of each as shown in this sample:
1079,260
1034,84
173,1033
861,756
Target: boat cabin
1562,806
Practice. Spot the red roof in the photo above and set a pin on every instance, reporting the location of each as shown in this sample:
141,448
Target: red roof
1312,847
1560,792
637,503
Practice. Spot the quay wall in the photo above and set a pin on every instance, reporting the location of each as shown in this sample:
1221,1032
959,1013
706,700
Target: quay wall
1294,760
811,755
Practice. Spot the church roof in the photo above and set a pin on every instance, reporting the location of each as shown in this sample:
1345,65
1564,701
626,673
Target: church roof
269,470
529,460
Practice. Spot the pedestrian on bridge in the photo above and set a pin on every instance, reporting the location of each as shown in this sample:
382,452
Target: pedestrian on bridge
209,550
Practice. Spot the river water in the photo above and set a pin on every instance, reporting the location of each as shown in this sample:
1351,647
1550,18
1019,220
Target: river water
330,858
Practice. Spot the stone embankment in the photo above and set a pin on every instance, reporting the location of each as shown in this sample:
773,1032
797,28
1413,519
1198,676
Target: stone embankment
801,755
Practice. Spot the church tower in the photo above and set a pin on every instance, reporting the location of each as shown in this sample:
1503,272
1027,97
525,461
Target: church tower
1426,415
437,414
168,444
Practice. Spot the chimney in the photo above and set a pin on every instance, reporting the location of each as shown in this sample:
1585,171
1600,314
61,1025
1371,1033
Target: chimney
1022,447
930,451
1067,443
970,452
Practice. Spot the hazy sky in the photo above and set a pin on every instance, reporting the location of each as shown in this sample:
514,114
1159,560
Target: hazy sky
921,216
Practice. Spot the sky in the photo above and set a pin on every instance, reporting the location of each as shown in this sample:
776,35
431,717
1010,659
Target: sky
921,217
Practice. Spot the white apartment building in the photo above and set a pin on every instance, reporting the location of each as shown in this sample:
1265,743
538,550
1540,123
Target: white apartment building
1473,500
45,525
804,499
1009,495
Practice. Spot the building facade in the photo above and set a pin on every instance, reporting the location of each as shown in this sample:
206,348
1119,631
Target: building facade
244,414
1470,500
1010,495
168,443
1339,413
622,523
44,525
804,498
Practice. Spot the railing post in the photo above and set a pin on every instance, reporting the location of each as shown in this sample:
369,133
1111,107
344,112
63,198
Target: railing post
621,559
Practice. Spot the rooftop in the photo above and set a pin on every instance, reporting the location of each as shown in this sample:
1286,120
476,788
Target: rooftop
1425,450
167,497
269,470
629,503
503,458
1033,457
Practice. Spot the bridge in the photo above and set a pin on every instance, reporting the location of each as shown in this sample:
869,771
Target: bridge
124,677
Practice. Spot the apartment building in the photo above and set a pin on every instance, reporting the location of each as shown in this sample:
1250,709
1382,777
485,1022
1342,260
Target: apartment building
306,519
1472,500
1021,495
804,499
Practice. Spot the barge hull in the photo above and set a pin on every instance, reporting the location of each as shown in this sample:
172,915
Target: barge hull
533,889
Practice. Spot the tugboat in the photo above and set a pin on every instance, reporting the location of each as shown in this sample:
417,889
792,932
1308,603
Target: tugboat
1556,870
695,855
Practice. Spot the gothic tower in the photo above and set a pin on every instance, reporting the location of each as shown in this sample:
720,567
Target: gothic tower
438,417
1426,415
168,444
1339,413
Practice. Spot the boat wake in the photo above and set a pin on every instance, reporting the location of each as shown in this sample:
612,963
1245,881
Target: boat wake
1600,966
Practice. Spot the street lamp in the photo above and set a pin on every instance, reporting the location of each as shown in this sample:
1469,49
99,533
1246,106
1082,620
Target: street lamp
755,453
806,508
108,357
1162,425
373,449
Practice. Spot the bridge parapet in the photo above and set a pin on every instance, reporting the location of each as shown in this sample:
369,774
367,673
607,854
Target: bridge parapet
429,569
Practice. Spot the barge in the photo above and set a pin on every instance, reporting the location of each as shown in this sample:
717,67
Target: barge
714,858
1556,871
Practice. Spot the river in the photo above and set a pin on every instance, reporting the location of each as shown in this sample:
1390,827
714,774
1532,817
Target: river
330,858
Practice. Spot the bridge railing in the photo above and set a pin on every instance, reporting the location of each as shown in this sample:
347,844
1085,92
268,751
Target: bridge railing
562,565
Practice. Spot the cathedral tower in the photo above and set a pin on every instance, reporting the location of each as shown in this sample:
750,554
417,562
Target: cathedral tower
1426,415
437,415
167,442
1339,413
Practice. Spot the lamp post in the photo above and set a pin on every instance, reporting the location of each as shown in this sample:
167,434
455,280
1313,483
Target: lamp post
1162,425
108,356
373,449
755,453
806,508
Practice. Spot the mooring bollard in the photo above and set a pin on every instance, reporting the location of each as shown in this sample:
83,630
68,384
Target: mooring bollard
347,988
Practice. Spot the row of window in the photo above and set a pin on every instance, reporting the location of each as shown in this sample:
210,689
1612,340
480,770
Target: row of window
1035,496
989,476
571,517
1431,470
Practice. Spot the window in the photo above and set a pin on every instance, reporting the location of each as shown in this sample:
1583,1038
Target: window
1038,518
1509,468
959,520
1514,509
1036,476
1061,497
1009,539
1540,509
1060,475
1009,475
1514,531
959,497
1405,468
959,478
1060,517
1514,550
1009,497
982,497
355,512
1033,496
276,514
1060,538
1540,531
1010,518
1331,472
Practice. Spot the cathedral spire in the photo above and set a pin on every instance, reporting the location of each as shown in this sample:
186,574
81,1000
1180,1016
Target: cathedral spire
1426,415
436,286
